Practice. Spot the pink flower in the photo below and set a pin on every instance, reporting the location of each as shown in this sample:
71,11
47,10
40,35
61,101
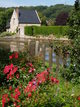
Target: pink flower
57,81
13,71
18,101
10,57
3,102
10,88
4,99
15,104
6,69
29,95
17,92
42,77
18,106
48,69
31,70
30,64
30,87
15,96
54,80
16,55
33,88
10,69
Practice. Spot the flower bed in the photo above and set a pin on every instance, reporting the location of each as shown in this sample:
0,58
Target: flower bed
25,85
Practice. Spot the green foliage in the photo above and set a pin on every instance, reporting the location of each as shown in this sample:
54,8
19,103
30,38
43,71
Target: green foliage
74,24
73,72
3,34
45,13
5,15
51,12
47,94
42,18
77,3
75,60
46,30
29,30
74,21
3,57
2,22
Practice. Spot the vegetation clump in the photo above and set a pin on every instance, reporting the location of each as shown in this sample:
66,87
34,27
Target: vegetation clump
73,72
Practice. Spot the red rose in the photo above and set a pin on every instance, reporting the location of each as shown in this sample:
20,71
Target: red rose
57,81
14,104
78,98
18,106
29,95
16,55
10,88
10,57
54,80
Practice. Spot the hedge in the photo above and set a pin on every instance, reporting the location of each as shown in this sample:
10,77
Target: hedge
45,30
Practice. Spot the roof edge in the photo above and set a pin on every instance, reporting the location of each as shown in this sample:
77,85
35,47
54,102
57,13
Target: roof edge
38,16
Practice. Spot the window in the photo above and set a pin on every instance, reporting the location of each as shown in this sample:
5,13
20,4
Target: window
13,20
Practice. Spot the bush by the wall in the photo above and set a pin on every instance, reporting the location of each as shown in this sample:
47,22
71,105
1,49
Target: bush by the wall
45,30
3,34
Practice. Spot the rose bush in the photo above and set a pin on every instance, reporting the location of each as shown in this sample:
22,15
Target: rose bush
23,81
27,84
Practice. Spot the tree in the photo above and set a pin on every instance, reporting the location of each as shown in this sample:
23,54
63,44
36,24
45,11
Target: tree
5,15
77,5
43,18
74,22
61,19
2,22
74,35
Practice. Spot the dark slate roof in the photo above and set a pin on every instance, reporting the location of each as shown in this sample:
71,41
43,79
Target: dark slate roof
28,17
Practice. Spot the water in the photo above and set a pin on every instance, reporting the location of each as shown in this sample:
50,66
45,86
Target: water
35,47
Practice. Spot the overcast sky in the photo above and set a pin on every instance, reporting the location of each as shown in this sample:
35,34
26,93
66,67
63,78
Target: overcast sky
10,3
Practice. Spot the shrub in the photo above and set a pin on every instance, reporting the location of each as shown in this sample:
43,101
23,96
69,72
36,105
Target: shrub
61,19
25,83
28,85
6,34
46,30
73,72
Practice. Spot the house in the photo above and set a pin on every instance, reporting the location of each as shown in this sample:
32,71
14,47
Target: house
21,18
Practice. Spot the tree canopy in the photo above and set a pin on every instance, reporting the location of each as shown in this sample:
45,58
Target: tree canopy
46,13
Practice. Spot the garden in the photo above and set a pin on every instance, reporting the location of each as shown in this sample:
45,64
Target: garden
26,82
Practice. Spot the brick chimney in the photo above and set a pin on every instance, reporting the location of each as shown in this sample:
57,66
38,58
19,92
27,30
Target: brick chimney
17,11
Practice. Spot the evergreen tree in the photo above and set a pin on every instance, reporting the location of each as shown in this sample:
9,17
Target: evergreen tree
77,5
